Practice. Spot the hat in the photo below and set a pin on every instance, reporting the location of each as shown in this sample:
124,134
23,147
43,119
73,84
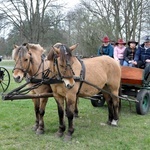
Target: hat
105,39
147,39
132,41
120,41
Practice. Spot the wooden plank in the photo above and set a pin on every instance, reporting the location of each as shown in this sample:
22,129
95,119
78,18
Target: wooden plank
28,96
131,75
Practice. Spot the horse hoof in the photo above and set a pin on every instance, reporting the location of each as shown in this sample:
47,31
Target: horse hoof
67,138
109,122
34,128
76,115
39,131
59,134
114,123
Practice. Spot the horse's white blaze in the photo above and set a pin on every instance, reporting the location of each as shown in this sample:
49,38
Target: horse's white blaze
67,83
114,122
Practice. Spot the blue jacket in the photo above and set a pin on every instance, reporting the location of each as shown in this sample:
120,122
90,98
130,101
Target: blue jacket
106,50
142,53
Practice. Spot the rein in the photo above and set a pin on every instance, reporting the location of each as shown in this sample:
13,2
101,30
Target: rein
121,97
82,80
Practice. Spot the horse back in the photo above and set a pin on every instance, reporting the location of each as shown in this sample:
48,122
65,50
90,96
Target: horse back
103,67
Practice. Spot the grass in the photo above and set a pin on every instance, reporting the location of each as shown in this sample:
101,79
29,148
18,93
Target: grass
91,132
9,63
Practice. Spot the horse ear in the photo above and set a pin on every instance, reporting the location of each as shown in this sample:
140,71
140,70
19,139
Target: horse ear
56,50
15,46
73,47
27,46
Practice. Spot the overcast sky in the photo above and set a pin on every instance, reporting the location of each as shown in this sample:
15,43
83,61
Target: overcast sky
70,3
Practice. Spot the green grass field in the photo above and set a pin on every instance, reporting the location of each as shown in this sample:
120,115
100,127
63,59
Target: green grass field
91,132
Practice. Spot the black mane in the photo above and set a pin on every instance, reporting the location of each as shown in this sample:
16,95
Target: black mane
65,52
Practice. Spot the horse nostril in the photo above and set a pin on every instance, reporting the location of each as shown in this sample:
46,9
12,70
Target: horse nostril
17,79
69,86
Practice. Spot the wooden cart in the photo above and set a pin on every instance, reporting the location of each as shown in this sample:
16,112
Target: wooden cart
132,85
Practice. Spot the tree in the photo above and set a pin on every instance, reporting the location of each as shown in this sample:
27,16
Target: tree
83,29
119,18
28,16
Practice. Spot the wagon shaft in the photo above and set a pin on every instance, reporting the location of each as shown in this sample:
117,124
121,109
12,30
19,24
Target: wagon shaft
29,96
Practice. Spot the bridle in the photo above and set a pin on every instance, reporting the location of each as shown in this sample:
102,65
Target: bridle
61,75
25,71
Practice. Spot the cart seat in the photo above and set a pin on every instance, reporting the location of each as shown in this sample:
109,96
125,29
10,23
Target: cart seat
131,76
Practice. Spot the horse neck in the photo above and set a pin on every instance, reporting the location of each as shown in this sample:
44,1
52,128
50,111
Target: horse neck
76,66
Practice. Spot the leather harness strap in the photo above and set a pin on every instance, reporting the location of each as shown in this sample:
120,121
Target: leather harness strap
82,74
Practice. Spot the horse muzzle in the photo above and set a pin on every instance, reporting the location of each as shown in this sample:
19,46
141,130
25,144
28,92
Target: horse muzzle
18,79
69,83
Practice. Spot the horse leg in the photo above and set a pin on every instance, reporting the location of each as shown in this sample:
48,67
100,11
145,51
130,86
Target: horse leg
76,108
76,111
43,102
116,107
36,102
110,107
60,106
70,114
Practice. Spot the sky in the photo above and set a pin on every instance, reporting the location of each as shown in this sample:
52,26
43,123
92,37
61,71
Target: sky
70,3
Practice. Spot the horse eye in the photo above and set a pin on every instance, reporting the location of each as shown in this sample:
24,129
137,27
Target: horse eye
26,59
61,66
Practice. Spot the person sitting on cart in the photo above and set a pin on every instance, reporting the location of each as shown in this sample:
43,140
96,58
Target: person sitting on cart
106,48
119,51
129,53
142,56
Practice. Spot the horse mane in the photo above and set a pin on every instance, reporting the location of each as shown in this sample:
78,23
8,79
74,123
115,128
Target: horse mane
65,52
26,47
19,50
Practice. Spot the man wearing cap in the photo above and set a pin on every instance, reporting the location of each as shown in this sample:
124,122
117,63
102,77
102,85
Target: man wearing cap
129,53
106,48
142,56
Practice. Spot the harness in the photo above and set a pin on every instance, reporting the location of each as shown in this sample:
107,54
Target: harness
45,73
25,71
60,76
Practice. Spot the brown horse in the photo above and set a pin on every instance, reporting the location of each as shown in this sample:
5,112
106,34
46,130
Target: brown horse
29,63
100,73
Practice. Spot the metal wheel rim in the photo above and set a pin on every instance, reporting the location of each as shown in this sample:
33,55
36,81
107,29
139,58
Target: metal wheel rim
5,80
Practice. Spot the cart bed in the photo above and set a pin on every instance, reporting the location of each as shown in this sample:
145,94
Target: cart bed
131,76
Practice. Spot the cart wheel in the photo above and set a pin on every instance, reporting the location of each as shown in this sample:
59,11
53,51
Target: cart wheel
4,79
142,107
99,102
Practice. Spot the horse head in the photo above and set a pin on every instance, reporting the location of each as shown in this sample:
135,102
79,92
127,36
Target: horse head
61,61
25,56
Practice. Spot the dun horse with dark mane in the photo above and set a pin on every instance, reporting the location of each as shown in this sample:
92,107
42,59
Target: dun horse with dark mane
102,72
30,63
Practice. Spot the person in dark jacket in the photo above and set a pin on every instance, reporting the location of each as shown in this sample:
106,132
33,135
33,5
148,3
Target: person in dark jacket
129,53
142,55
106,48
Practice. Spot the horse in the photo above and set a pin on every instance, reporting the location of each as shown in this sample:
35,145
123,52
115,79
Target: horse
82,78
28,63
